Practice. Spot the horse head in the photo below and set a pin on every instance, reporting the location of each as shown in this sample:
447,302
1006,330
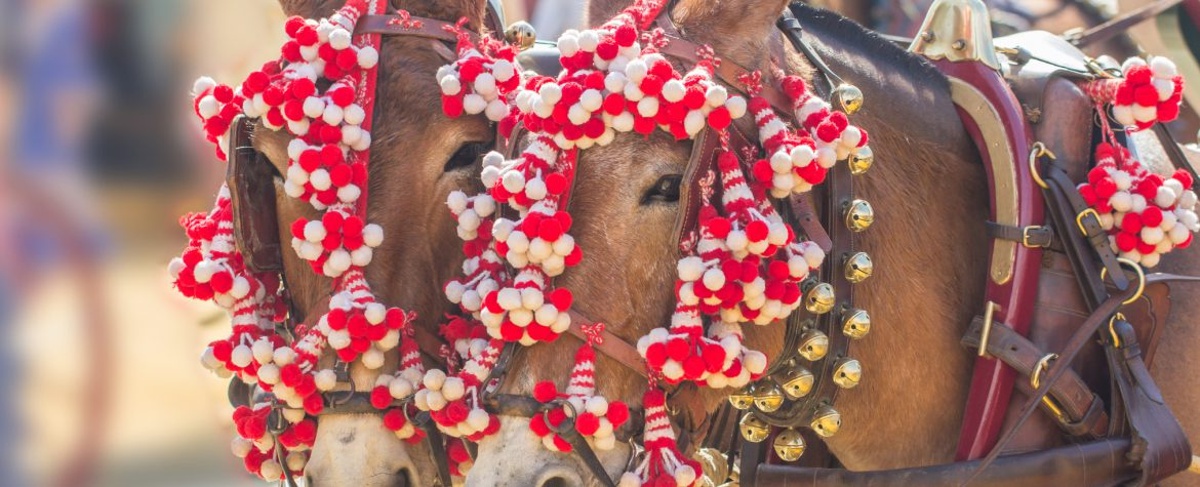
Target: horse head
625,208
418,157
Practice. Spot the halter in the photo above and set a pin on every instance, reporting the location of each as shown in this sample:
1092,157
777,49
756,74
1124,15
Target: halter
683,403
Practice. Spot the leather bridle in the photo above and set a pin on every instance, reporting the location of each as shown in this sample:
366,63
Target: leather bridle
684,404
256,229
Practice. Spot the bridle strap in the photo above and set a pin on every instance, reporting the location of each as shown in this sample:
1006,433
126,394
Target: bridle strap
728,71
394,24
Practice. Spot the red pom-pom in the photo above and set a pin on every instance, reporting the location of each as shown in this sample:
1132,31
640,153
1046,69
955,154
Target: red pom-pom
561,298
538,425
587,424
719,227
693,367
1145,96
617,413
314,404
678,349
757,231
1126,242
1132,223
1152,216
394,419
719,118
545,391
656,354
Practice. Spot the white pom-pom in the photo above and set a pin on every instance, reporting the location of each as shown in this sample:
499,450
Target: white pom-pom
474,104
372,235
1162,67
202,84
1124,115
716,95
314,231
673,91
736,106
503,70
478,419
241,356
354,115
314,107
690,268
373,358
714,279
457,201
453,388
550,93
368,57
434,378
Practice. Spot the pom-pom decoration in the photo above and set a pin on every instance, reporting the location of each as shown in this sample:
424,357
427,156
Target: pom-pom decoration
591,415
1146,215
1146,94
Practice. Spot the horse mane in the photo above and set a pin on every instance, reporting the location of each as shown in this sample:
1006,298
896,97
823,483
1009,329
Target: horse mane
892,56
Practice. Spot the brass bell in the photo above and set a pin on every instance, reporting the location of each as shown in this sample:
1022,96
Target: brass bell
768,397
797,383
859,267
813,345
861,160
789,445
856,323
741,400
753,428
521,34
850,97
820,299
847,372
859,215
826,421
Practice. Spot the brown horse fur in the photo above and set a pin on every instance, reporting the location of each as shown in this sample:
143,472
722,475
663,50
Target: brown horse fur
407,194
929,245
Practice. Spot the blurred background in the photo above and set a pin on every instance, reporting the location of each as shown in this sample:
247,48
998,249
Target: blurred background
99,376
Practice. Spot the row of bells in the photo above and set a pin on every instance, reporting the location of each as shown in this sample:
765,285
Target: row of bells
797,381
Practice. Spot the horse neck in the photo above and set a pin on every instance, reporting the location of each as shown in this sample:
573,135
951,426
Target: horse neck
930,198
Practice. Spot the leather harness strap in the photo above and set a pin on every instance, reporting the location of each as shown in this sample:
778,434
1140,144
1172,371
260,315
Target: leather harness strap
1085,416
1122,23
1101,315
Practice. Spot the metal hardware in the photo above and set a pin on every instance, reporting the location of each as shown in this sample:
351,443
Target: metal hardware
856,323
814,344
850,97
989,310
826,421
1084,214
859,267
753,428
820,299
1039,150
797,382
957,30
859,215
789,445
768,397
1137,268
861,160
1025,236
741,400
1035,380
847,373
522,34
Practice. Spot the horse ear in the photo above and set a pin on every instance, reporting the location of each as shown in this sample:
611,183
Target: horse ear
736,29
310,9
599,11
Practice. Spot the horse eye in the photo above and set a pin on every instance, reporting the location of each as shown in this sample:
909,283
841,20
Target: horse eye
467,155
665,190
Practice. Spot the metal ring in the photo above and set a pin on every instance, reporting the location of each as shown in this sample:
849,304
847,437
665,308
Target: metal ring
560,429
1039,149
1112,332
1141,289
1035,377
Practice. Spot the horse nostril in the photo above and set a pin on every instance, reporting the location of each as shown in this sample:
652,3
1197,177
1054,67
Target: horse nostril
557,482
403,478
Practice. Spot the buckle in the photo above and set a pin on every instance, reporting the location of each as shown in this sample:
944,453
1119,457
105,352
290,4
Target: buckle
1036,236
1084,214
1035,380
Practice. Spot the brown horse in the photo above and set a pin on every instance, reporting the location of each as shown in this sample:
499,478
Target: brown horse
929,243
418,157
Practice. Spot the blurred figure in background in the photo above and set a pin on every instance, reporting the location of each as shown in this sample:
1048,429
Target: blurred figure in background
44,173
